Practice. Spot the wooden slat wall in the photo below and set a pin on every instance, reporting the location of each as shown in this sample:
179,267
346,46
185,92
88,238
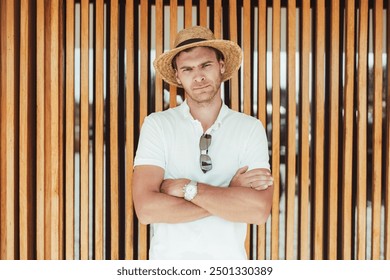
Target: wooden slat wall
61,128
8,143
377,131
217,18
84,131
304,134
261,99
130,215
40,132
318,127
291,129
99,131
52,143
326,115
348,130
26,229
247,89
143,105
387,198
334,128
113,128
69,132
172,32
47,131
362,132
234,98
275,122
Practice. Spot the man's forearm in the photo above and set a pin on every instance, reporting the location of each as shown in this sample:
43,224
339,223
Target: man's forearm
248,197
163,208
153,206
237,204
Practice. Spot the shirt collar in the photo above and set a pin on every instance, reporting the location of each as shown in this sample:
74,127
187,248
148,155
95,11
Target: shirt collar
185,111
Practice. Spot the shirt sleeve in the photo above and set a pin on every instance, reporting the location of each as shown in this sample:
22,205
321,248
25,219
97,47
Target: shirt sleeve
255,153
150,150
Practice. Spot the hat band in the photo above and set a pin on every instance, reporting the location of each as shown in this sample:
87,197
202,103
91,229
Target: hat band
190,41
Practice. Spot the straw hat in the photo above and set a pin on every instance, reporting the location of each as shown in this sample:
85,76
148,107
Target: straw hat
198,36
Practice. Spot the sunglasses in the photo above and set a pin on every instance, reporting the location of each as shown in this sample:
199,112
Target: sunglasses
205,160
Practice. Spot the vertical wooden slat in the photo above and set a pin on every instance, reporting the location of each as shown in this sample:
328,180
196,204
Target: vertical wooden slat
234,91
247,83
69,132
114,180
130,125
275,127
203,13
218,19
40,161
172,34
187,13
23,130
362,131
291,126
319,129
159,92
54,132
334,127
246,46
61,130
8,129
99,130
84,132
46,131
262,62
377,132
143,238
387,198
348,130
304,136
262,99
25,135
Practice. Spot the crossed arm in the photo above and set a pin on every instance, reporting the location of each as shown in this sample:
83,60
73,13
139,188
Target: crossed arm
247,199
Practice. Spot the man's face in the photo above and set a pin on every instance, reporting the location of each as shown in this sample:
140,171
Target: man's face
199,72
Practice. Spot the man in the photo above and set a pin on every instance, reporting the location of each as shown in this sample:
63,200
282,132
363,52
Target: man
201,170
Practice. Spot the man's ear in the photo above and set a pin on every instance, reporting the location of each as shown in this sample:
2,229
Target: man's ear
177,78
222,65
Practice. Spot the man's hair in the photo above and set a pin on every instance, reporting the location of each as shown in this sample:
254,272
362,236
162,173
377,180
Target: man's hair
218,54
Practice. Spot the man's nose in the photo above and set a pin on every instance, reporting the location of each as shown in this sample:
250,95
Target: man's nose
199,77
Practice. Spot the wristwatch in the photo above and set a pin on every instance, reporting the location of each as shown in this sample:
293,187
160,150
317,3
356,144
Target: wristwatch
190,190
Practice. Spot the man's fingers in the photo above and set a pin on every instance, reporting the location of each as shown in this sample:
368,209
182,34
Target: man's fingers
242,170
259,171
261,182
262,187
261,179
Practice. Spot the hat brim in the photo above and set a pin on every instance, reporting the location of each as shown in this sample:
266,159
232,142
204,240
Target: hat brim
231,51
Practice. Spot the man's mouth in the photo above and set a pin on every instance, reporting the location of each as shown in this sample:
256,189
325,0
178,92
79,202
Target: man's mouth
200,87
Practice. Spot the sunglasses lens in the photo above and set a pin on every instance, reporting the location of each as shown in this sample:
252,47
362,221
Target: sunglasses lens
205,163
205,160
205,142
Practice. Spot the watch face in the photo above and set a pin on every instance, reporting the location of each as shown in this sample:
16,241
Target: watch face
190,192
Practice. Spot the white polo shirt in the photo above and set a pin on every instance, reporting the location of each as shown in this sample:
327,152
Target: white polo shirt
170,139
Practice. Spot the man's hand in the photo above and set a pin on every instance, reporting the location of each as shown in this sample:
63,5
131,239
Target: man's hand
174,187
258,179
